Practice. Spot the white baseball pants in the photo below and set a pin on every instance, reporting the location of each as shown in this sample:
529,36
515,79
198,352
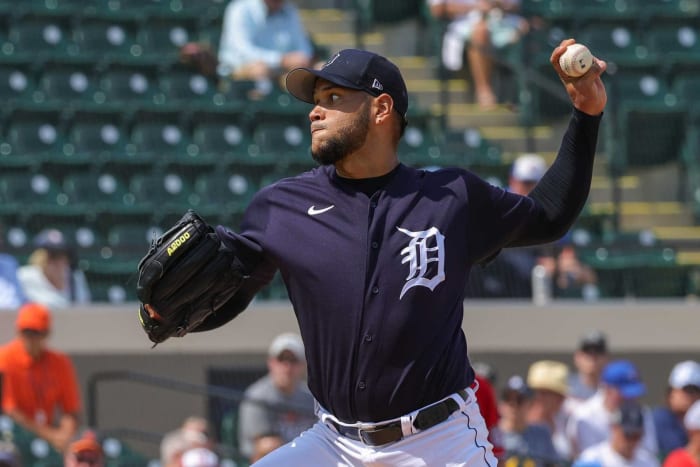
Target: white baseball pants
461,440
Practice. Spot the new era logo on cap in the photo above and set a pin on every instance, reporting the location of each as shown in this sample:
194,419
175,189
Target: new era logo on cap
354,69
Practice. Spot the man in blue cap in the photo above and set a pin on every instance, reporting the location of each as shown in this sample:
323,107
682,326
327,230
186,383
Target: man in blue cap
590,422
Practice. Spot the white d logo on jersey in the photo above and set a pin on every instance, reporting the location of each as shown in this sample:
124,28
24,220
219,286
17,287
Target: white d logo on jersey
425,247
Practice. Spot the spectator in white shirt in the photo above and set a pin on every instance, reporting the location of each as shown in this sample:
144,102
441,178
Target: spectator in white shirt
623,446
589,424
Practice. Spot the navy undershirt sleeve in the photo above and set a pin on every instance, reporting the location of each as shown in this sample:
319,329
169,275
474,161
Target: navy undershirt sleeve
562,192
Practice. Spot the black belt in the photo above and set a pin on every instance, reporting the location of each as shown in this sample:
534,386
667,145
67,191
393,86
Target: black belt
391,432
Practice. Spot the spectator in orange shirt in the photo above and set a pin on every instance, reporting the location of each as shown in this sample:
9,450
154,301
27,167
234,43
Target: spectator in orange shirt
39,381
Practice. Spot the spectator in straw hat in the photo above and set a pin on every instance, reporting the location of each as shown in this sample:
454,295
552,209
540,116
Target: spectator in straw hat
548,381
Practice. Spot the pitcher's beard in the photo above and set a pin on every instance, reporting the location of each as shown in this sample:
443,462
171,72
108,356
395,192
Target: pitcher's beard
347,141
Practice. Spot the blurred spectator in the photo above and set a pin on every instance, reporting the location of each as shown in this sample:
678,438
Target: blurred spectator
279,402
529,444
193,433
590,358
264,445
509,275
589,424
621,448
483,26
485,370
682,392
548,380
85,450
689,455
262,40
50,277
11,293
199,457
9,454
40,388
488,406
571,277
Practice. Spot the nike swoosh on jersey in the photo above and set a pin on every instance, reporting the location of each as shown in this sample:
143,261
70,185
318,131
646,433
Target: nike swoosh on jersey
315,212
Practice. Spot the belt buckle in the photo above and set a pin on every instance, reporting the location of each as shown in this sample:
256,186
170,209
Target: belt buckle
362,431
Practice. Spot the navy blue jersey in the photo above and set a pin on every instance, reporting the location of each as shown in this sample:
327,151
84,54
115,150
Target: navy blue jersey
377,282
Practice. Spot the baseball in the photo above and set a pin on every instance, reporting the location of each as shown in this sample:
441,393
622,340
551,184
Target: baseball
576,60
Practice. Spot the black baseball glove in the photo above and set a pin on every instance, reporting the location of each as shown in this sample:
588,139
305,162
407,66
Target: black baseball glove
187,274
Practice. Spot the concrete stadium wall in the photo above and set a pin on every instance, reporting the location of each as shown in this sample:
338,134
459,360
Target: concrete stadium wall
509,336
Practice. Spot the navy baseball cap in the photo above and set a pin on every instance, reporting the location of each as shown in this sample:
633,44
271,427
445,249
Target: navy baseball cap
354,69
630,417
624,376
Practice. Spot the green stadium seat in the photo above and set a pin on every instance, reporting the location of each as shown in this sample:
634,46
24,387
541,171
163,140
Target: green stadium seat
134,85
161,136
30,137
653,10
617,43
29,194
466,148
185,87
640,87
167,193
17,84
64,85
39,38
417,146
219,137
100,194
637,271
125,244
95,137
110,290
162,38
104,39
648,136
224,195
677,43
620,10
552,10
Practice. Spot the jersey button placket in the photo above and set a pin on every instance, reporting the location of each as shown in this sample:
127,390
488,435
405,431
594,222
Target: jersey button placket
361,386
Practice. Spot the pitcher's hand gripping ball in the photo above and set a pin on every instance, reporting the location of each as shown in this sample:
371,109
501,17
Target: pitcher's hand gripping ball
186,275
576,61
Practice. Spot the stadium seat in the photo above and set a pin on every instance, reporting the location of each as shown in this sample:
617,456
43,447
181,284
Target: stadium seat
467,148
618,43
620,10
39,38
647,136
64,85
95,137
639,87
30,137
677,43
102,39
100,194
224,195
17,84
551,10
162,38
417,146
280,136
219,137
126,244
28,194
184,86
160,136
134,85
653,10
167,193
